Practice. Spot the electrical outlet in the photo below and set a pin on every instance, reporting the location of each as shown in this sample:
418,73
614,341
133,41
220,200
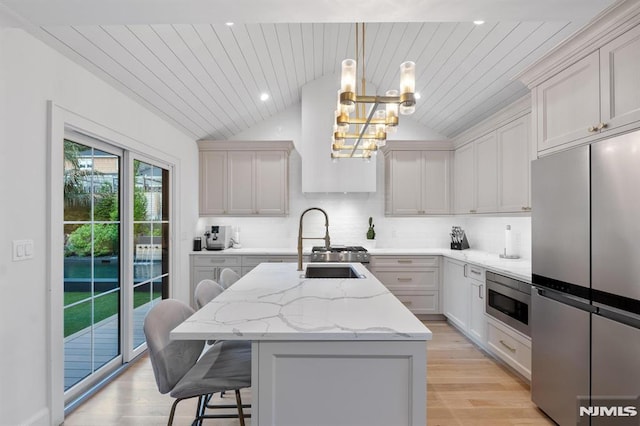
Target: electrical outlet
22,250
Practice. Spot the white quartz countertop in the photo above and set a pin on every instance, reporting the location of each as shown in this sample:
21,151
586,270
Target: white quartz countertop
515,268
275,302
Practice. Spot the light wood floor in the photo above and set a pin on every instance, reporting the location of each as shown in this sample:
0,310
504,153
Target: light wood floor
465,387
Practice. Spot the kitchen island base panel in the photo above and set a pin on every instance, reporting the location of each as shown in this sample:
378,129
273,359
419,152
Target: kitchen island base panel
339,383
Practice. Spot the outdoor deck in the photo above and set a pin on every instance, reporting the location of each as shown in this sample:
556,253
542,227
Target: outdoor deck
77,347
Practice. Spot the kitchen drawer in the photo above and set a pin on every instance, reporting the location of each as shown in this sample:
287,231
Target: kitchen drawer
253,261
216,260
510,346
426,279
425,303
474,272
378,261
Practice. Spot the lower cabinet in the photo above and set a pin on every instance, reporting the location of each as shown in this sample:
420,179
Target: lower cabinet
510,346
464,302
414,280
463,296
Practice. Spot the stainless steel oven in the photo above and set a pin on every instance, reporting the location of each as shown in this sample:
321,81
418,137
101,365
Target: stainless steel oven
509,301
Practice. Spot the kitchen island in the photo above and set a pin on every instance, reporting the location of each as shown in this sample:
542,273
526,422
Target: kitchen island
324,351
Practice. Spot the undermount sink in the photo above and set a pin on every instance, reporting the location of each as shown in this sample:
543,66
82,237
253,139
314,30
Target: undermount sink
346,271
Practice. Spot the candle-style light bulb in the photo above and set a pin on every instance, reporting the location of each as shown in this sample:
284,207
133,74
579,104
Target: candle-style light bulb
348,80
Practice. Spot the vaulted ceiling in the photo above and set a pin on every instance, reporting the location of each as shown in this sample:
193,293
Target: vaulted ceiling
208,77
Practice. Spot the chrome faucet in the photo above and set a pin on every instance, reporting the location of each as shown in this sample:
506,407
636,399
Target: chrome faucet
326,239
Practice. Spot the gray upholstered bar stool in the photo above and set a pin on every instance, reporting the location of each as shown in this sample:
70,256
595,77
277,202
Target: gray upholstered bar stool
205,292
228,277
177,369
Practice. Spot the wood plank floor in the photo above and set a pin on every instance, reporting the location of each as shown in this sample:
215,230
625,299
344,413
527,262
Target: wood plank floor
465,387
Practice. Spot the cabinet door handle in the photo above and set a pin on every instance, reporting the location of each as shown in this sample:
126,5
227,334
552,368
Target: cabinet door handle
464,270
480,291
601,126
472,211
507,346
405,261
591,129
405,279
475,272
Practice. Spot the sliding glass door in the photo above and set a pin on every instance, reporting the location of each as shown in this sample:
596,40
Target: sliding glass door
116,256
92,274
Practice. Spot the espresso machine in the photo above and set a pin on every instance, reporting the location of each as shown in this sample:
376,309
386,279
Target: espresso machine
218,237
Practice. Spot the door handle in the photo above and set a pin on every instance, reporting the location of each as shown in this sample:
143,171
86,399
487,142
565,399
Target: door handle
480,291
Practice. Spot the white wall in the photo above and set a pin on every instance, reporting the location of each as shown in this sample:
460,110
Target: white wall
31,74
349,213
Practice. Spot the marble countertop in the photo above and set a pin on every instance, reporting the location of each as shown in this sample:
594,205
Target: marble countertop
516,268
275,302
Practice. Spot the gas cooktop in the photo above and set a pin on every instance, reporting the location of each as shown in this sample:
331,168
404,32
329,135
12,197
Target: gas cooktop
339,254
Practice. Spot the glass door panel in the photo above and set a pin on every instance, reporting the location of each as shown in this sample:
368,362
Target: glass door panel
150,241
91,260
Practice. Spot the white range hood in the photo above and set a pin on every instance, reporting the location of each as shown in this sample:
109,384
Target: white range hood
319,172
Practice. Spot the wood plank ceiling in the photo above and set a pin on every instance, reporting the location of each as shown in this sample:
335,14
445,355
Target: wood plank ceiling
208,78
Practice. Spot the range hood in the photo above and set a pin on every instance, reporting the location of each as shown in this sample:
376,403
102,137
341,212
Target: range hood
319,172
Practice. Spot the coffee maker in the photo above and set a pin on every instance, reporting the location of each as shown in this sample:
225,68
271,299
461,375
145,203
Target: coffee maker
218,237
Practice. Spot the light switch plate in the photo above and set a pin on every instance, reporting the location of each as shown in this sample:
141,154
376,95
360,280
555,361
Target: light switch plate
22,250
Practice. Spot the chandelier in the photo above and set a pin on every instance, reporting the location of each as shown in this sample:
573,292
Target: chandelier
358,132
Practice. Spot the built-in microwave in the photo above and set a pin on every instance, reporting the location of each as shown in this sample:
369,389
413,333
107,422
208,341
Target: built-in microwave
509,301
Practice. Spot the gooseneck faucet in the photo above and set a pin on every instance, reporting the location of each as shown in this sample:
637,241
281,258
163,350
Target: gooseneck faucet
326,239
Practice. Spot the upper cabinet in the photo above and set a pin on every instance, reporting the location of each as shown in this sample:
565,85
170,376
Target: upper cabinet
492,164
418,178
514,165
464,194
244,178
588,87
620,81
568,105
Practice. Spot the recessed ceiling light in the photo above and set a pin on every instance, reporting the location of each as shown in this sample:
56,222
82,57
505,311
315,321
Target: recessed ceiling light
264,96
417,95
478,22
229,24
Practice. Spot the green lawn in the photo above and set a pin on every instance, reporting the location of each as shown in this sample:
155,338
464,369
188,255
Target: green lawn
78,317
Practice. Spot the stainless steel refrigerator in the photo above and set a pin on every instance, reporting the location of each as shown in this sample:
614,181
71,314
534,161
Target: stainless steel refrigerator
585,329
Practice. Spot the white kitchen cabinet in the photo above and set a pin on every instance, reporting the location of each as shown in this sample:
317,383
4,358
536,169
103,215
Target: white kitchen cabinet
213,183
597,96
414,280
619,82
271,183
417,180
465,179
477,319
509,345
568,104
464,304
241,182
492,172
244,178
514,165
486,182
456,293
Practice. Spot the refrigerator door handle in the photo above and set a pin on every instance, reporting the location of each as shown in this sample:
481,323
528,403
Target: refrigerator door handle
624,318
567,300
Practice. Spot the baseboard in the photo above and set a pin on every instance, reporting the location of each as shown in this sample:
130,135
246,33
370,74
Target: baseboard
431,317
40,418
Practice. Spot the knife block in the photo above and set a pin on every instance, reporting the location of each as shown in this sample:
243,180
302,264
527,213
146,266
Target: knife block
462,245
